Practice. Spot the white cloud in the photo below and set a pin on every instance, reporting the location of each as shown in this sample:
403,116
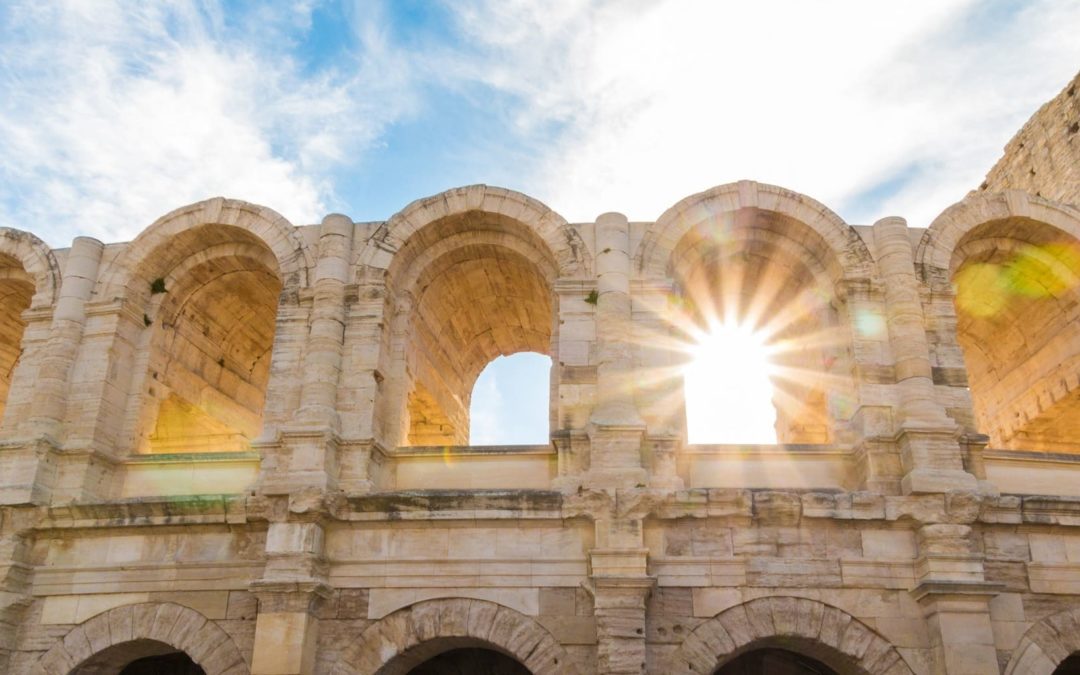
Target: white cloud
115,113
663,99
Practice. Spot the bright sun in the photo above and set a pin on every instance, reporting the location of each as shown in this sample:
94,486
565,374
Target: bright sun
728,390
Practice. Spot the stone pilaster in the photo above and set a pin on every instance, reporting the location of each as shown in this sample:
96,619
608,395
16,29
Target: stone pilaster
322,360
41,458
69,320
290,593
616,430
620,586
15,596
927,437
619,607
310,440
955,597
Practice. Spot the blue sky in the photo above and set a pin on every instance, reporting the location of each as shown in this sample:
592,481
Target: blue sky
114,113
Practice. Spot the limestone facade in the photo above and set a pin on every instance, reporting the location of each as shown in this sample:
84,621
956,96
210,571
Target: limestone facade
244,443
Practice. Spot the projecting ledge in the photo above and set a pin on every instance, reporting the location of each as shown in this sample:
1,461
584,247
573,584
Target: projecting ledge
1032,472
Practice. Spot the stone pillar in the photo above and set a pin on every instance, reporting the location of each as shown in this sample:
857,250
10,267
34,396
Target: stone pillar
14,591
69,319
322,360
620,586
661,398
39,462
290,594
928,439
955,598
309,455
616,429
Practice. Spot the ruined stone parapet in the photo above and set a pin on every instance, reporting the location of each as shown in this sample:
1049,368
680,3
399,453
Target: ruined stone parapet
1043,158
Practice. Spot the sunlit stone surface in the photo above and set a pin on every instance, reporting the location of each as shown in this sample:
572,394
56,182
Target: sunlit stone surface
238,445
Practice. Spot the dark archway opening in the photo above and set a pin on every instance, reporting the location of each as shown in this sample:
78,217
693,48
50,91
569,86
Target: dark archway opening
1070,666
774,662
165,664
139,657
470,661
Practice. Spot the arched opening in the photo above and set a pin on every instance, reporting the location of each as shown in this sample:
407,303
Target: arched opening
1070,666
166,664
763,331
470,661
450,656
774,662
211,294
16,291
139,657
467,289
511,400
1017,284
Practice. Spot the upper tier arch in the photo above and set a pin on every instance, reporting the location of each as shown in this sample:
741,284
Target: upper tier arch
565,244
37,260
293,257
938,244
653,257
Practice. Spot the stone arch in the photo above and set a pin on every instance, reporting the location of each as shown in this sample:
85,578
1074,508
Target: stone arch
821,631
775,261
938,243
1007,266
470,276
170,624
1046,644
37,261
654,253
563,241
292,255
456,621
208,280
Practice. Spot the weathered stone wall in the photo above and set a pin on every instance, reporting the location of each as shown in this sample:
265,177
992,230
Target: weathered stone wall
244,440
1043,158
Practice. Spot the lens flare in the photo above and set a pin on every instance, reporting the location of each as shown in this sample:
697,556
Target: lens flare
728,388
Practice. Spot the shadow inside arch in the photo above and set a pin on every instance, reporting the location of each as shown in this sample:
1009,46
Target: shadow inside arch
139,657
788,655
454,656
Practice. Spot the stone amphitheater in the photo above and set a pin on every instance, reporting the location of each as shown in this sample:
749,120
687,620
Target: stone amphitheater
235,445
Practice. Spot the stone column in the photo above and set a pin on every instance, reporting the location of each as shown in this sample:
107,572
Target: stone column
310,440
616,429
928,438
322,361
69,319
34,471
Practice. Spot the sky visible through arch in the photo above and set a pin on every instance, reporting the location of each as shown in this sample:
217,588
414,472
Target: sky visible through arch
114,113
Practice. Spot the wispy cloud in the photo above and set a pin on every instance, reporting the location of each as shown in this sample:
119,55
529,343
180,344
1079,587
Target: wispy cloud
873,108
116,112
